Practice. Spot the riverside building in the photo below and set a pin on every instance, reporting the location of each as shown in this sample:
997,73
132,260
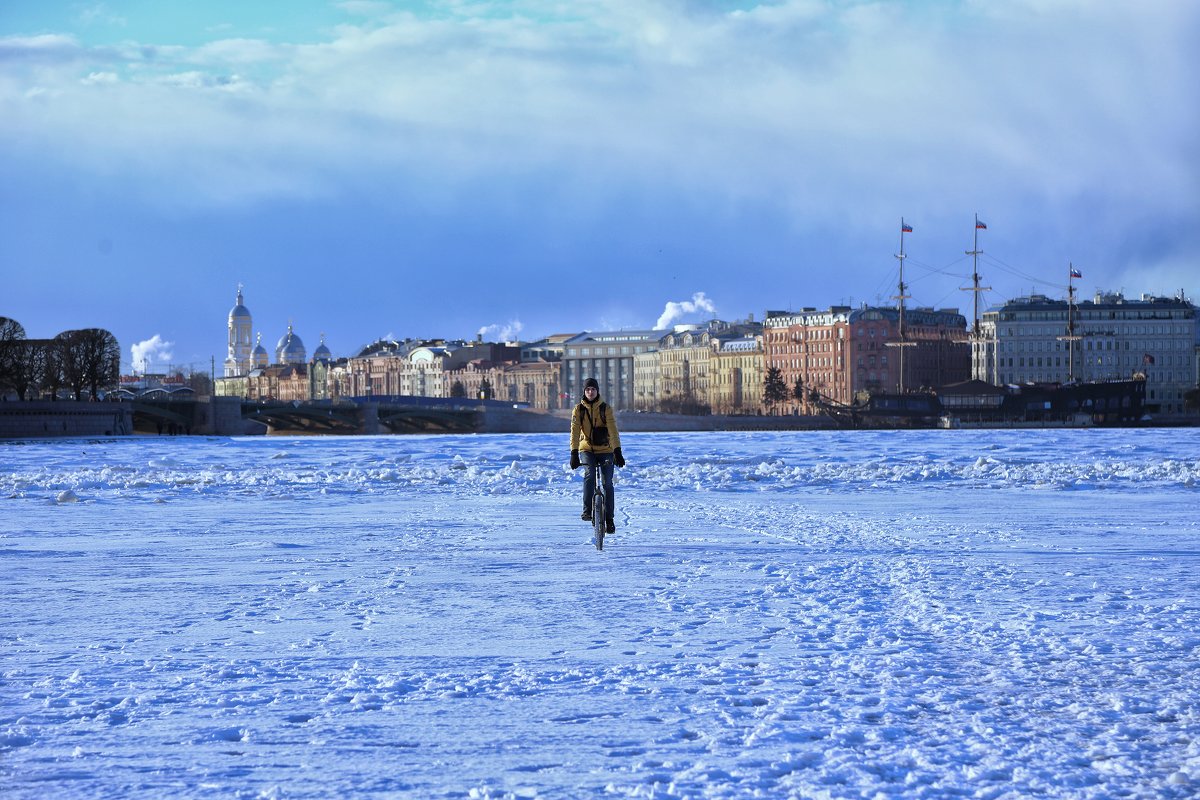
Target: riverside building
608,357
841,351
694,377
1036,339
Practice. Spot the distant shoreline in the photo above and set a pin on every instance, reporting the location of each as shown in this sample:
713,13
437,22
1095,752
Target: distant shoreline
72,419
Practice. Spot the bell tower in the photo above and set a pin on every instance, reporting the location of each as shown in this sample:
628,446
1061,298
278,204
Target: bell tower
240,344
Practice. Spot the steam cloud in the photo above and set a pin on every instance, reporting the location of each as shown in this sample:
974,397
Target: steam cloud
502,333
151,351
674,311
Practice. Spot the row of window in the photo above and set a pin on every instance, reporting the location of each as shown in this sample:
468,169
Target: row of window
1090,345
1183,331
623,350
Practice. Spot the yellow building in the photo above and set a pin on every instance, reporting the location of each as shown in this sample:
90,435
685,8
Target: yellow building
736,376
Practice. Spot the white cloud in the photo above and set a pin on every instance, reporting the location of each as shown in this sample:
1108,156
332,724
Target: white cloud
100,14
16,46
196,79
677,310
151,354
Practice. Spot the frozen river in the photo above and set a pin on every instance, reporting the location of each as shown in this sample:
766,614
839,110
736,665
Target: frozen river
991,614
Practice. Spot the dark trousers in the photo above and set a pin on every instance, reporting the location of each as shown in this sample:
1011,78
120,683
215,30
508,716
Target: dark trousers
590,462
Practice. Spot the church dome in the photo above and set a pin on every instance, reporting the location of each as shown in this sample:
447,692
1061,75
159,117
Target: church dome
290,349
260,357
239,311
322,352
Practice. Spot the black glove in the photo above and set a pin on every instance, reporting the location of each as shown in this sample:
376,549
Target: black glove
574,459
618,459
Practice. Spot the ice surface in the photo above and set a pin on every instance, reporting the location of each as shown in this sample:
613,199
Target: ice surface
986,614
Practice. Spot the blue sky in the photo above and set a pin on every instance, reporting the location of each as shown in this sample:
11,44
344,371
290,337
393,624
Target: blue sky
431,169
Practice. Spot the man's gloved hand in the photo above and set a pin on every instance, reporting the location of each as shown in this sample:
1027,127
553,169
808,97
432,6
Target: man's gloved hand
618,459
574,459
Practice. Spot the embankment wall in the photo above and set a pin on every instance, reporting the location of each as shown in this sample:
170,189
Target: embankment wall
503,420
38,419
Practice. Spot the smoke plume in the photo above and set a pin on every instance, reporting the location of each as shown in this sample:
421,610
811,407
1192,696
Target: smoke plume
150,352
674,311
502,333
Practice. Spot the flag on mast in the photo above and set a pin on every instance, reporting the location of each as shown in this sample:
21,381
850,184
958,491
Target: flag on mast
905,227
1076,273
980,225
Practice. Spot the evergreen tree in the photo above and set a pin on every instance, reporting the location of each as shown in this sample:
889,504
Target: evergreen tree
775,391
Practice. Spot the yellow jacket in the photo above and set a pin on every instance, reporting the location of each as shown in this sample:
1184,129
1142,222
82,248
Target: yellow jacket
584,421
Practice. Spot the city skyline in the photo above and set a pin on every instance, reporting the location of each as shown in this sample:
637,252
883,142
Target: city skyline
373,169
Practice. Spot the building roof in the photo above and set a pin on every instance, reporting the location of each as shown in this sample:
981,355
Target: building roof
617,337
972,387
740,344
913,316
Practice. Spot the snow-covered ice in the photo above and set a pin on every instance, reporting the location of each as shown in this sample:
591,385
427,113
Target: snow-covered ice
908,614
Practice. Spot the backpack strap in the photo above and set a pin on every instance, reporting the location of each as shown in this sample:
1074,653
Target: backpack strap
603,411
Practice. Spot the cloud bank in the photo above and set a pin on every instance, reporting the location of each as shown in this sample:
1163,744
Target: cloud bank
834,106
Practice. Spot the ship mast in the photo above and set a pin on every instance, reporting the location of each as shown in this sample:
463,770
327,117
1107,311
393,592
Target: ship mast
1071,338
975,289
903,342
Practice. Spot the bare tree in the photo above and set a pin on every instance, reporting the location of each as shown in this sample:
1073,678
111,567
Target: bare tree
70,354
200,382
87,360
12,347
51,378
101,360
29,374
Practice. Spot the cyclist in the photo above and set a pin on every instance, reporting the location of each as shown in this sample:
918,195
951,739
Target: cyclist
595,443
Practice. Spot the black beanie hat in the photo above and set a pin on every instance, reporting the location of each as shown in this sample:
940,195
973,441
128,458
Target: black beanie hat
592,383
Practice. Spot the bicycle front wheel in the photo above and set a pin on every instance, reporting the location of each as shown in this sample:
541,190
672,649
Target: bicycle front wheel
598,512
